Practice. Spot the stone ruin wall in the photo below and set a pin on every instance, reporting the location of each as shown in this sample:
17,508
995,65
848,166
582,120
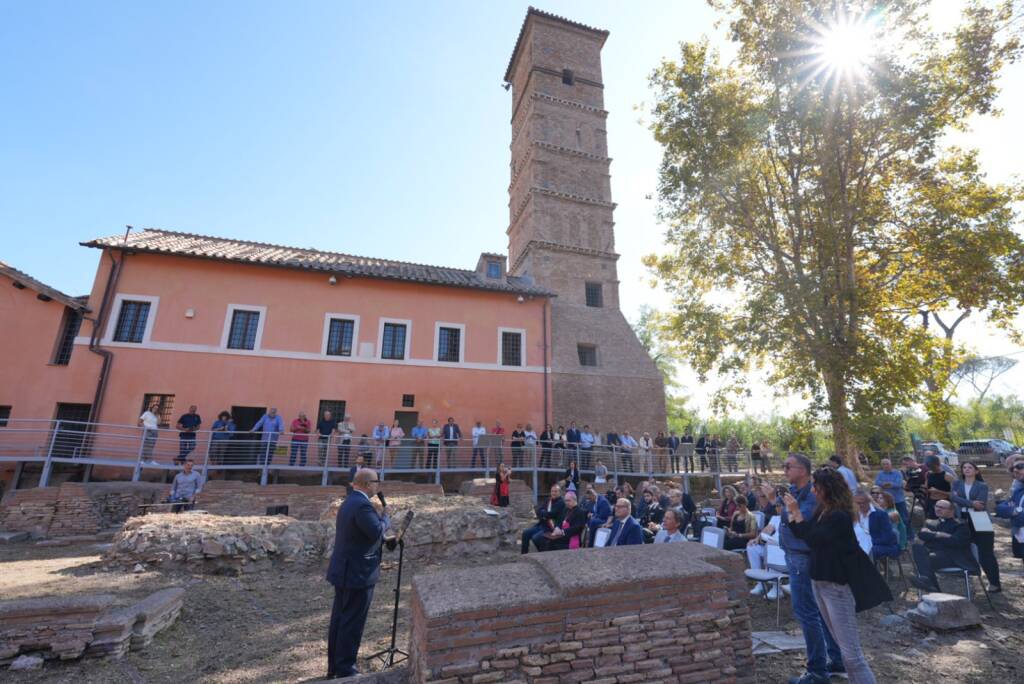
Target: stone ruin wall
673,612
520,495
70,627
81,509
73,508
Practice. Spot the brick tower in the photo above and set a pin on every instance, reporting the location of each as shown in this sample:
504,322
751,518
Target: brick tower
561,230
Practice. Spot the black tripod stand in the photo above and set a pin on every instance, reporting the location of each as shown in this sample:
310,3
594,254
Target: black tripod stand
388,655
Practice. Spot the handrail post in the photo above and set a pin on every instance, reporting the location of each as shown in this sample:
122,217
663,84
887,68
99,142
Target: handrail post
437,460
44,478
536,473
206,459
265,456
137,472
326,455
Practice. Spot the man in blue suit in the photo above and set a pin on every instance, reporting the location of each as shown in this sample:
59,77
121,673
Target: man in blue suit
600,513
625,530
354,570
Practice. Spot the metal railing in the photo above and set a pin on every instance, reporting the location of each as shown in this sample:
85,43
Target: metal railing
53,442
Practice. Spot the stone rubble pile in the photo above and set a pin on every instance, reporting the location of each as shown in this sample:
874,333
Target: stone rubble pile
445,527
93,626
216,544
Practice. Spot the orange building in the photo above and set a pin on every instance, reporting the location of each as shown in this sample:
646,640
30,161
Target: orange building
241,326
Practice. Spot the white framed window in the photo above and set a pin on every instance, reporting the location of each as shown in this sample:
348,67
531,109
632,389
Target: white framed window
131,320
243,327
393,339
511,347
341,335
449,342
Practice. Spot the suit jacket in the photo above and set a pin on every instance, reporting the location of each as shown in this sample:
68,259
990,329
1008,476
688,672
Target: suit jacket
979,492
451,431
602,511
557,512
355,562
632,534
957,545
572,436
577,521
881,529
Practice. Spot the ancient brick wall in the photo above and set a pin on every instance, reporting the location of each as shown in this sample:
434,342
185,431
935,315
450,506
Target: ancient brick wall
673,612
232,497
75,508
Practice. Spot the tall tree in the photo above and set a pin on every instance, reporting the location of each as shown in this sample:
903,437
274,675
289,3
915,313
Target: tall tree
813,211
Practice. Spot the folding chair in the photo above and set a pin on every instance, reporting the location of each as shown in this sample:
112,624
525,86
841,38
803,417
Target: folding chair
967,574
775,571
713,537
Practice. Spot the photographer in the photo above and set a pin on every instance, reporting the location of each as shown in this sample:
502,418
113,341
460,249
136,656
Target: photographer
939,484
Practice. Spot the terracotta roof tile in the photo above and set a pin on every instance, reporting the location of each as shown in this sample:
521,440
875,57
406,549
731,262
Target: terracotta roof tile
42,288
158,241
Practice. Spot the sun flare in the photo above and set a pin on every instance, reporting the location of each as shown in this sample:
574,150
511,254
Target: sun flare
844,49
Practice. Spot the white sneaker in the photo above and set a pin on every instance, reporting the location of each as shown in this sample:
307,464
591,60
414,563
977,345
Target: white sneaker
773,594
758,590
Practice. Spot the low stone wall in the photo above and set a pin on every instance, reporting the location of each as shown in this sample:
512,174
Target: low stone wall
671,612
446,527
305,502
520,494
75,508
69,627
217,544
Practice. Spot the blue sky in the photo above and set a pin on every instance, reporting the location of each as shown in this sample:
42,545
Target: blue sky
370,128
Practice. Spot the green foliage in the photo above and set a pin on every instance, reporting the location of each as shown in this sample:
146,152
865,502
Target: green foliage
812,218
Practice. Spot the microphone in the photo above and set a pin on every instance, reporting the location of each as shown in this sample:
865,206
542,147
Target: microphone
380,495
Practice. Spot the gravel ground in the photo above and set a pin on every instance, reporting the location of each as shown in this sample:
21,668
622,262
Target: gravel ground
270,626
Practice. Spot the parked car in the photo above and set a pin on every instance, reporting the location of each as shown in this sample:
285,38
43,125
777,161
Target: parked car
985,451
948,457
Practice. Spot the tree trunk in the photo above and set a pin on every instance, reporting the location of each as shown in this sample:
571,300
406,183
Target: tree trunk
840,414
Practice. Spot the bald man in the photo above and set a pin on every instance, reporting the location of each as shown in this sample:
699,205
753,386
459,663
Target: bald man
354,570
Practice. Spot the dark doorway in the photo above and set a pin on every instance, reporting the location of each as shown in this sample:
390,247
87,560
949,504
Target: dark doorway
245,448
407,419
69,442
335,406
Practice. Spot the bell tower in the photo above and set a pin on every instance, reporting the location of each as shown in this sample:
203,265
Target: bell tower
561,226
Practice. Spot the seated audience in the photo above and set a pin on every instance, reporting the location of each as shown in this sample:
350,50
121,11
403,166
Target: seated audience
742,526
728,506
747,492
572,477
1013,508
625,530
569,533
600,513
757,555
885,501
970,493
549,516
671,528
875,522
683,505
945,543
186,487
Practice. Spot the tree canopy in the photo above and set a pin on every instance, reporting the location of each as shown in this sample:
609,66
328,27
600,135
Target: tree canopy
813,210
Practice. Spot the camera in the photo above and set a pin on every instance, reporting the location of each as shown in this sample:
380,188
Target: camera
916,479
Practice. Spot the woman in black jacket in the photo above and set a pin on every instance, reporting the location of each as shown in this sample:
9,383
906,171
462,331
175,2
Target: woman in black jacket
844,579
572,476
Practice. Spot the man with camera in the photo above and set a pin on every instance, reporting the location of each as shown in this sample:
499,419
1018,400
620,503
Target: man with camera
946,544
354,571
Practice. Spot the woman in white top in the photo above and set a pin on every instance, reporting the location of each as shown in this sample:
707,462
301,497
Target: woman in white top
646,449
149,422
530,437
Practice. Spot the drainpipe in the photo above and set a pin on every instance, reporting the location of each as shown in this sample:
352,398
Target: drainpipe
544,328
97,332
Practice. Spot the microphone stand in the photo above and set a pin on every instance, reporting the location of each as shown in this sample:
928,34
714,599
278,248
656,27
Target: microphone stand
393,655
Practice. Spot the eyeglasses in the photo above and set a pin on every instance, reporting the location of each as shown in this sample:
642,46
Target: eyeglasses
372,481
1019,466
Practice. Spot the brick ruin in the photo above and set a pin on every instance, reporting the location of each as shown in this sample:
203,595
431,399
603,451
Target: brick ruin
70,627
674,612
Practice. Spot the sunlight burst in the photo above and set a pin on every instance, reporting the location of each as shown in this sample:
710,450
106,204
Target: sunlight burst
844,49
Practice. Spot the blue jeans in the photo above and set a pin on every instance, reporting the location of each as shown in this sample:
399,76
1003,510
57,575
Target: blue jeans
901,507
298,449
805,608
535,534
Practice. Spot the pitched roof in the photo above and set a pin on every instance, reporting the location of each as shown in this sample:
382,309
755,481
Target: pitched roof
43,290
533,11
158,241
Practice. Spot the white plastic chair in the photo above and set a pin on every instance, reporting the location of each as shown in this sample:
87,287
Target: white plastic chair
775,571
713,537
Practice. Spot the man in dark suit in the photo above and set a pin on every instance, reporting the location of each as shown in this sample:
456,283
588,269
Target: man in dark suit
451,434
549,516
947,545
626,530
354,570
600,513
